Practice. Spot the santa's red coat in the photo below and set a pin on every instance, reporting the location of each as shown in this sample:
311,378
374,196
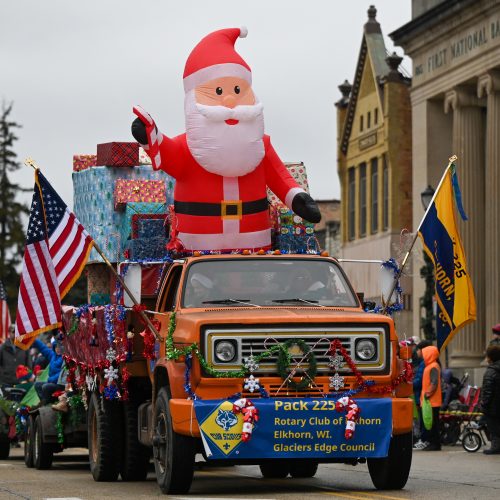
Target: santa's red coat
196,185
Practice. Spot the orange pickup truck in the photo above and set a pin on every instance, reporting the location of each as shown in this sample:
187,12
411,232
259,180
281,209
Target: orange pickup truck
259,329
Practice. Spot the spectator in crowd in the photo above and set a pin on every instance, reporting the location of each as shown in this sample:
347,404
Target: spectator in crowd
417,390
490,398
450,386
431,390
495,331
10,358
54,355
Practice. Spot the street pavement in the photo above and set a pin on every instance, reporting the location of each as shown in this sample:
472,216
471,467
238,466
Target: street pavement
448,474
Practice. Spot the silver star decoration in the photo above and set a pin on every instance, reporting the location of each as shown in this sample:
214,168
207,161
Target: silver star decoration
250,364
336,362
336,381
251,384
110,354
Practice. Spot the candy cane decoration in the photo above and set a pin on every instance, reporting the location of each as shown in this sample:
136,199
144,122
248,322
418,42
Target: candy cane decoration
250,415
154,137
352,414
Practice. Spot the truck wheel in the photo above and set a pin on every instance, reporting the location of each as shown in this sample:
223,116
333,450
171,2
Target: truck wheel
391,472
274,469
135,459
43,453
4,449
173,453
104,437
303,469
28,442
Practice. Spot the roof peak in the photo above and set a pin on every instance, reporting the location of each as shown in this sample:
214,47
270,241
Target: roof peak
372,25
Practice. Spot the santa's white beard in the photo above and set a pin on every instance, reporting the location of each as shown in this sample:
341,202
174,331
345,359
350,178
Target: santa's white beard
227,150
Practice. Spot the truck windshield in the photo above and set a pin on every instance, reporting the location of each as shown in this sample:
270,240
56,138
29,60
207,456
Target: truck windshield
266,282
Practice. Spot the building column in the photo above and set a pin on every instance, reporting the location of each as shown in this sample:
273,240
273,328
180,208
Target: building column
467,348
489,86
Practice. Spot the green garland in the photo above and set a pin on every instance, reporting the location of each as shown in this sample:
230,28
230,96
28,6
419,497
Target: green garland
76,410
284,363
174,353
60,428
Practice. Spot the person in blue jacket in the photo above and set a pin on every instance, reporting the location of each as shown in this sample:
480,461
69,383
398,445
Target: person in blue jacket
54,355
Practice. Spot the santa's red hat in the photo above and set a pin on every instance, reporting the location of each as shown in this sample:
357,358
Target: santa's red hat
215,57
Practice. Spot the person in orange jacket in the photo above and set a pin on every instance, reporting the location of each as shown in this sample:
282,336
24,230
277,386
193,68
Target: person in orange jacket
431,390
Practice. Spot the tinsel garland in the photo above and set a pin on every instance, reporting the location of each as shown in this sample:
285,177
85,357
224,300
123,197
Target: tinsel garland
125,377
21,418
187,377
59,428
284,362
76,407
390,309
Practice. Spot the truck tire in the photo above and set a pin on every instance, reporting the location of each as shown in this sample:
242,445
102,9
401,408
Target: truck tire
105,439
303,468
4,448
43,453
275,469
28,442
135,458
173,453
391,472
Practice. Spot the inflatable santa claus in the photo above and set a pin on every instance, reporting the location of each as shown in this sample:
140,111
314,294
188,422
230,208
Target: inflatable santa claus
224,161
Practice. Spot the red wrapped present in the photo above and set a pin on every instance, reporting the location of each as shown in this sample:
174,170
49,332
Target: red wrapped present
82,162
118,154
145,191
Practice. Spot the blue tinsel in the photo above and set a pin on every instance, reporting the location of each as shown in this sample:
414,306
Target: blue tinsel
111,392
187,377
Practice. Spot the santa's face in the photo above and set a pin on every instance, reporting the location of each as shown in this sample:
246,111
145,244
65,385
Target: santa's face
225,126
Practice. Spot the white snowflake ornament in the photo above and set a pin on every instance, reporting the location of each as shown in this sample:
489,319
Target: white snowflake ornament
110,354
250,364
337,381
251,384
336,362
111,374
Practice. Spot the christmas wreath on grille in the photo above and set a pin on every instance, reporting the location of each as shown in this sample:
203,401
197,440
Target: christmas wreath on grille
283,363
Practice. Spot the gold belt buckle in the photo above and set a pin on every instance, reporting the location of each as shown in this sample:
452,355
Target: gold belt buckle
231,209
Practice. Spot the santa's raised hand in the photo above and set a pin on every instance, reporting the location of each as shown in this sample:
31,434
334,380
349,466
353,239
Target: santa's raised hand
224,161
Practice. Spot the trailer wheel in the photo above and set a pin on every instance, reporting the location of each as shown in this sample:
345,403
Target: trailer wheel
274,470
43,453
28,442
303,469
173,453
135,459
105,439
391,472
4,448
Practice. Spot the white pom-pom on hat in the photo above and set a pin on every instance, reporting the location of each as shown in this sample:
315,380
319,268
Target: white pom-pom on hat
243,32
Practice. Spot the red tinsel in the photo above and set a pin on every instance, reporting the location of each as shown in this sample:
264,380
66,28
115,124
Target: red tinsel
125,377
149,344
71,372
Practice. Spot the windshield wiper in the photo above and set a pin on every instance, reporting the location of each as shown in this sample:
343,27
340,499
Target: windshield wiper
302,301
245,302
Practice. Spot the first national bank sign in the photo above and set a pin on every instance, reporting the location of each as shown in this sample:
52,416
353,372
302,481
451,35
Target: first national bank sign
469,43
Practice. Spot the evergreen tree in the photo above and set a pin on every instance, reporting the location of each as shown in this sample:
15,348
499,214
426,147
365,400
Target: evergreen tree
12,236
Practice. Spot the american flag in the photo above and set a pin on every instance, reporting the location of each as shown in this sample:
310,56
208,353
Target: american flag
57,249
4,314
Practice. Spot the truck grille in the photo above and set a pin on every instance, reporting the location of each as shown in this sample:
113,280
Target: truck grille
256,341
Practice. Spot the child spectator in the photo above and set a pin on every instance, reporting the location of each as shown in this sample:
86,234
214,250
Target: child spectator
490,398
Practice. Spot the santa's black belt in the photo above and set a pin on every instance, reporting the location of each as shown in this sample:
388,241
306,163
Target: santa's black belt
227,209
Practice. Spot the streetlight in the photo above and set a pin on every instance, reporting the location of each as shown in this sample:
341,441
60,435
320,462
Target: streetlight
426,196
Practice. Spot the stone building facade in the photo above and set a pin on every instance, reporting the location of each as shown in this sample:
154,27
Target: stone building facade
327,231
455,99
374,165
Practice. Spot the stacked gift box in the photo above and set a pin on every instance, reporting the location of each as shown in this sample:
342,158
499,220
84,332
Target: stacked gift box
290,233
106,198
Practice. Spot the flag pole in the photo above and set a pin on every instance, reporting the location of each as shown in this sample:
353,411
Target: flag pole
31,163
451,160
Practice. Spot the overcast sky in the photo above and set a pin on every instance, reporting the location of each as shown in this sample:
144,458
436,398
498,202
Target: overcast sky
75,69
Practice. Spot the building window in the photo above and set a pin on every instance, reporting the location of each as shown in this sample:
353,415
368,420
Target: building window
385,194
351,203
361,123
374,210
375,117
369,120
362,200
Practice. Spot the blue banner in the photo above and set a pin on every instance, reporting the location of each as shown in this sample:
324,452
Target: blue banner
295,428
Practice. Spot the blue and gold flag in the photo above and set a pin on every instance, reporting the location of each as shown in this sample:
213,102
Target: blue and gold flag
441,240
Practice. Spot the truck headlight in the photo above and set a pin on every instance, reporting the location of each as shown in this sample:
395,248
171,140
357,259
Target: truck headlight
225,350
365,349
